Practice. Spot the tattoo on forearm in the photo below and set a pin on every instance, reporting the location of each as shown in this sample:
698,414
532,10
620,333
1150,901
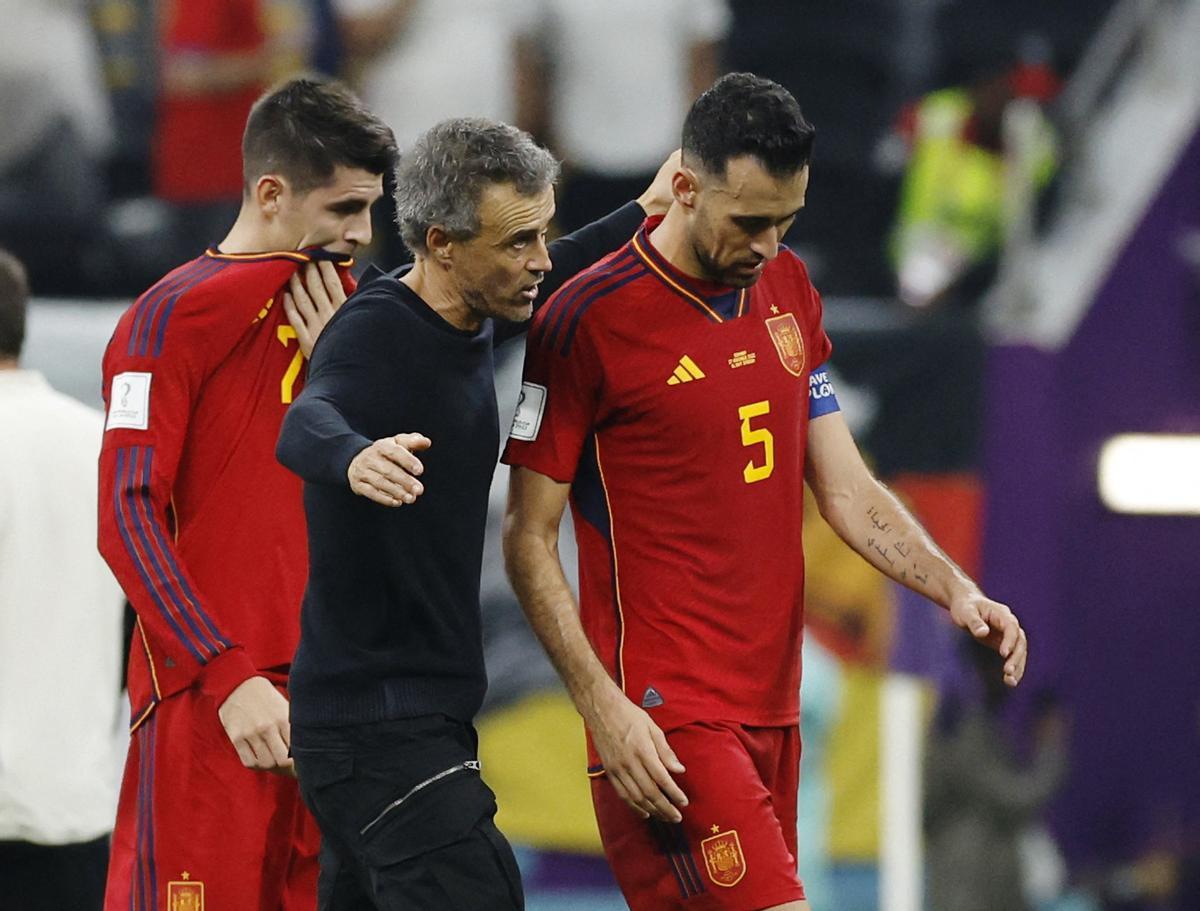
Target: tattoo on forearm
881,542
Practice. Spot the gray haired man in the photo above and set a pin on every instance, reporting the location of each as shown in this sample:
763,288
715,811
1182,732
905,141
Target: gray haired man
389,673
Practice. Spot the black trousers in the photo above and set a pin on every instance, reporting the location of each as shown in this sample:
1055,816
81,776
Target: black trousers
53,877
406,820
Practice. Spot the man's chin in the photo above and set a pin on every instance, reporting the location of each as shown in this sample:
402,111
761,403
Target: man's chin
516,313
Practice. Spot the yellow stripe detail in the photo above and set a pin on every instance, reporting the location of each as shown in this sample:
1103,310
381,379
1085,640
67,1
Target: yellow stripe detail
743,298
142,717
699,301
294,255
149,659
680,376
612,535
599,774
690,366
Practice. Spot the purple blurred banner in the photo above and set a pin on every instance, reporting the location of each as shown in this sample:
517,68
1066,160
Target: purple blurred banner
1111,602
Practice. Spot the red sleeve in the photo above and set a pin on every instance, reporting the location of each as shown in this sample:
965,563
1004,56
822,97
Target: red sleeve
164,347
559,395
213,26
817,339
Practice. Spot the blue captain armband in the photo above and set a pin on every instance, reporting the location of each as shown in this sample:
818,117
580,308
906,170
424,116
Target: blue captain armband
821,397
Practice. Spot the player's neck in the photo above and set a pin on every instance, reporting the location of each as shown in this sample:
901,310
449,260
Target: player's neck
441,294
9,363
670,239
249,234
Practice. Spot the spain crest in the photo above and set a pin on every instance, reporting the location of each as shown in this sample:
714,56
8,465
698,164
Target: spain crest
185,895
723,858
785,333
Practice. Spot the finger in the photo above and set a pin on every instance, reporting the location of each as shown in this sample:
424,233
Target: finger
333,284
245,754
653,797
276,747
400,478
388,487
1012,631
398,455
975,623
303,336
303,300
413,442
364,489
628,793
665,753
1015,667
260,751
314,281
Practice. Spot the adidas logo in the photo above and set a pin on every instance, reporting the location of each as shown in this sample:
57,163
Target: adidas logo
685,372
651,699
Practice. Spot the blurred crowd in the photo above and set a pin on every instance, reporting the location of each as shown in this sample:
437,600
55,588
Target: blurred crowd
120,155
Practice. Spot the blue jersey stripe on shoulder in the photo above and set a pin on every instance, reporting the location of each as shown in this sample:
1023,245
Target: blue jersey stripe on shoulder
585,305
584,282
169,304
167,286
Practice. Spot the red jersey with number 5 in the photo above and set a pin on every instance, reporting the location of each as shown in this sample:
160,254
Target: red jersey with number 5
201,526
678,411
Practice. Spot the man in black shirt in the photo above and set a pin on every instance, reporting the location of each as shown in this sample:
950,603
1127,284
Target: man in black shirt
389,672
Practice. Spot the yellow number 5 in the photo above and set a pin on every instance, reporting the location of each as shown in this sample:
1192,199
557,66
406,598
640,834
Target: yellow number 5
287,385
754,436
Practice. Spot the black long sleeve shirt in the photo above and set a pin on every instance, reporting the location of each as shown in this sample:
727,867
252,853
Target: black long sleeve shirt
390,625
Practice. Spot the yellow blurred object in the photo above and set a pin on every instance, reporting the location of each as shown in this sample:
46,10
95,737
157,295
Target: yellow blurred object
534,758
846,601
852,763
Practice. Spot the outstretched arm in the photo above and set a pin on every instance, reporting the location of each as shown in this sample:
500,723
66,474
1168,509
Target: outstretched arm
637,759
869,517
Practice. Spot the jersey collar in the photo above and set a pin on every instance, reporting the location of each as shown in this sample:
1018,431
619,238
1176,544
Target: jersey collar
717,302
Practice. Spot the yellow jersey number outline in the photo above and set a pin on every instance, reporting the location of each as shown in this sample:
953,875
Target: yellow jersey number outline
287,385
755,436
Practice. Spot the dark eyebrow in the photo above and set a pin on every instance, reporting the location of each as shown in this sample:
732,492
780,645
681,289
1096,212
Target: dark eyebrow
347,206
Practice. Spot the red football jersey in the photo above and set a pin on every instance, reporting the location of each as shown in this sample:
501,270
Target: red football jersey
202,527
679,412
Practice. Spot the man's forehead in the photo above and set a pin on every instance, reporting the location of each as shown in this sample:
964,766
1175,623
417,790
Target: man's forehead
353,181
747,184
503,208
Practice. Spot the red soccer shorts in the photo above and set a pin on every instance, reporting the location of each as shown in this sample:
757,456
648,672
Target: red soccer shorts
736,847
197,830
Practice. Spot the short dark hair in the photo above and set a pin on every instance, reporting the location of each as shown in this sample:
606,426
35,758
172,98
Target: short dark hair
14,292
744,114
442,177
307,126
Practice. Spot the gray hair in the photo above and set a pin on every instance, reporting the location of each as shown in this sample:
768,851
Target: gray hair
440,181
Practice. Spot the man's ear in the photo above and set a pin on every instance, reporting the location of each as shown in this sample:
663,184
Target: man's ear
269,189
684,186
440,246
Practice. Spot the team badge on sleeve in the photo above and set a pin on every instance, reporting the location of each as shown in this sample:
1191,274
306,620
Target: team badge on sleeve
129,402
527,420
785,333
723,858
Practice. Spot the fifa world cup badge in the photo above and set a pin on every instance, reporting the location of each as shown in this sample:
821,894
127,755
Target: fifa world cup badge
185,894
785,333
723,857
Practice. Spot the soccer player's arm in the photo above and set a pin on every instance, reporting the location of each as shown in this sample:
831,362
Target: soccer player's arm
873,521
553,420
154,370
325,435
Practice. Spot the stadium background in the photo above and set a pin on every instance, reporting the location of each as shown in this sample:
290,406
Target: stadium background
987,404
